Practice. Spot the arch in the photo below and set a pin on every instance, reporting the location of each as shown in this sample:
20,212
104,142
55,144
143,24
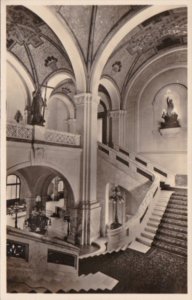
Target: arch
22,73
54,80
42,182
129,25
113,91
59,27
66,100
55,169
147,65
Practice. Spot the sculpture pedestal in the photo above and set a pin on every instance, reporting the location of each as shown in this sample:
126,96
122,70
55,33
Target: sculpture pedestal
170,132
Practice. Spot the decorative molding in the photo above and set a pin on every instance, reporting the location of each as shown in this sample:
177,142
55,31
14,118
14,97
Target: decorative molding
116,114
85,98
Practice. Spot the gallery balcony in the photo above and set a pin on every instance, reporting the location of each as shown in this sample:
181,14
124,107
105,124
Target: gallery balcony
34,133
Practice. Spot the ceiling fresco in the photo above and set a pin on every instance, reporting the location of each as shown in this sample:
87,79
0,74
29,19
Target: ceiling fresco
91,27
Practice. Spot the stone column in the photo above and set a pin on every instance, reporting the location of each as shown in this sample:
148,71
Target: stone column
118,123
86,126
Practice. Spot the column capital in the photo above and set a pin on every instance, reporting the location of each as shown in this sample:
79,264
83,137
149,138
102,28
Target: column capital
85,98
115,114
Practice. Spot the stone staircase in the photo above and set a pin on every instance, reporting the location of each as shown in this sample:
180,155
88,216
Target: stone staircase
144,240
171,235
57,283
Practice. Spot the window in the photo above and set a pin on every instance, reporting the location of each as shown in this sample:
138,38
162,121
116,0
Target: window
13,187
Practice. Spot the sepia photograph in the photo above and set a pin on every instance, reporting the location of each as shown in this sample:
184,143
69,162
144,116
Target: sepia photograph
95,148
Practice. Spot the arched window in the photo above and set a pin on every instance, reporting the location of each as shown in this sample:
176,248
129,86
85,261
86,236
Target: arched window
13,187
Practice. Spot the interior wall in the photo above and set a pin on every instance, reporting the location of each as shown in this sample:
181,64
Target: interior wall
57,108
16,94
165,149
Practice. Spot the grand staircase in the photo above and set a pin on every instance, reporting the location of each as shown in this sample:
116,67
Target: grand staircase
171,235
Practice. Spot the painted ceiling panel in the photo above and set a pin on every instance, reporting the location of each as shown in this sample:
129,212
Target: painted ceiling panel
107,17
47,60
118,66
78,19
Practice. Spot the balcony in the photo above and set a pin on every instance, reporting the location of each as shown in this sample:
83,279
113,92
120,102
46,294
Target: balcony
36,133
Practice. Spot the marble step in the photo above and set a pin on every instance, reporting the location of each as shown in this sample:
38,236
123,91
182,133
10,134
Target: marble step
177,206
173,234
171,240
151,229
176,211
171,227
178,202
170,248
175,216
174,222
144,240
179,198
140,247
148,235
180,195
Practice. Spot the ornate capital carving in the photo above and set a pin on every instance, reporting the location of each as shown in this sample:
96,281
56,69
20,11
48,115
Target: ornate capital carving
85,98
116,114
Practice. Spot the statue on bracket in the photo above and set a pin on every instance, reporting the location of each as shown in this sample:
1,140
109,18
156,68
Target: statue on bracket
170,116
37,109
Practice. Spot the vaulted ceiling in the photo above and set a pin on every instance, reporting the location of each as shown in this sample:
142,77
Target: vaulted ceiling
91,27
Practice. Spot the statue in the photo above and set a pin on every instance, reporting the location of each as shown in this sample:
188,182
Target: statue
170,116
37,109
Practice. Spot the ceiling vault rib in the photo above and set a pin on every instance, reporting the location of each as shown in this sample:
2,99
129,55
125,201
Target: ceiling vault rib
91,38
34,71
128,76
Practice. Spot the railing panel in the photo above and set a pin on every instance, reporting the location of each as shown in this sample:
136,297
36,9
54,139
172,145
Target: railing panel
39,133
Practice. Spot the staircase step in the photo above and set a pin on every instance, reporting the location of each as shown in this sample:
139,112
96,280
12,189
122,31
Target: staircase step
172,241
177,206
175,216
179,195
176,211
173,227
153,224
178,202
170,248
173,234
148,235
150,229
179,198
144,240
174,222
140,247
155,219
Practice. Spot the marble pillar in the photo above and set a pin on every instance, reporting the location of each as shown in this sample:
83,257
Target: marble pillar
89,208
118,124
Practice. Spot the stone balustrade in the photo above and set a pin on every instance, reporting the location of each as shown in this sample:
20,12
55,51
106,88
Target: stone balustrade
39,133
39,254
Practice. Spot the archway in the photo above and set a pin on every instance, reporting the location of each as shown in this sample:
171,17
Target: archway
35,186
56,23
107,49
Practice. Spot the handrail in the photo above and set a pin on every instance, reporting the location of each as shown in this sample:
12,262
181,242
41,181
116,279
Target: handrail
151,194
155,167
114,155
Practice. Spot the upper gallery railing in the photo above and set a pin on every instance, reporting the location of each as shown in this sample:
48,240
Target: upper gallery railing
39,133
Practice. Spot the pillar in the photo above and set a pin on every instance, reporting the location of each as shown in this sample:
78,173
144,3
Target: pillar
118,130
86,126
